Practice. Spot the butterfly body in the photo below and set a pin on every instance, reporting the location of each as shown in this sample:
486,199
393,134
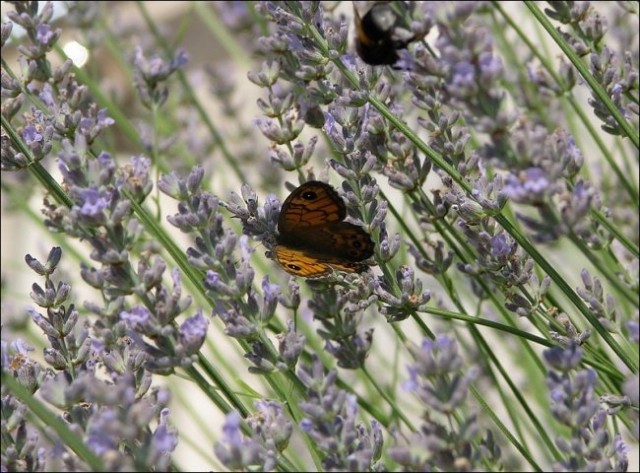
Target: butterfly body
314,240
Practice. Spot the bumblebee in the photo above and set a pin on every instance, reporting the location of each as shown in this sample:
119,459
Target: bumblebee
376,41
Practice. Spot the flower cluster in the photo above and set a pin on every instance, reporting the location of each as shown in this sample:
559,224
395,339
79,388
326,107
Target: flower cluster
614,72
270,433
575,405
111,415
439,382
340,312
330,420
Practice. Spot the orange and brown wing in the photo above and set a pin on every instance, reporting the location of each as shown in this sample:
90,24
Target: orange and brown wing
313,239
308,265
297,263
316,252
313,204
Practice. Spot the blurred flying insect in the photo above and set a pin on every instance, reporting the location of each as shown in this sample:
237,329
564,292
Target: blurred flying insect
377,39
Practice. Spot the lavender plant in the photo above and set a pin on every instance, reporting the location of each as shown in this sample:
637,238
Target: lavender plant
496,327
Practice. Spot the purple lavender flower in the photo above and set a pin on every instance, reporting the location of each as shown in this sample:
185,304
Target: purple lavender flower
164,442
100,436
151,73
93,205
31,135
530,186
193,332
92,124
6,32
271,295
234,450
50,266
271,426
401,302
574,404
435,359
45,34
330,420
138,317
500,247
291,344
463,78
437,380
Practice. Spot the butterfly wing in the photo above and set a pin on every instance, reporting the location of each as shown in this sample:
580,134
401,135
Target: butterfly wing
296,262
342,240
313,204
340,246
308,264
313,239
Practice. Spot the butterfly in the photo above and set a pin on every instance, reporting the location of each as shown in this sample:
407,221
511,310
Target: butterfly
314,240
375,40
